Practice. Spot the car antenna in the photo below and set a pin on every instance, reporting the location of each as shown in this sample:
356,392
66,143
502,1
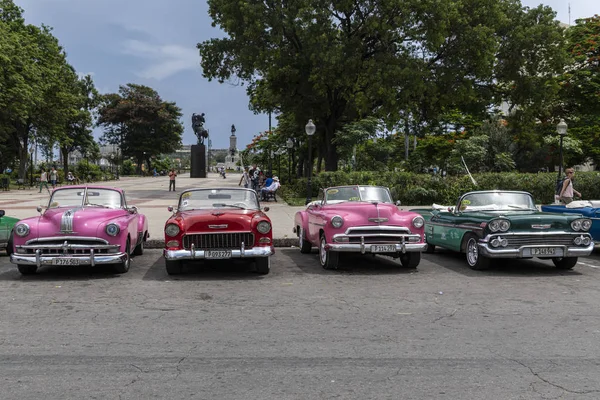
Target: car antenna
467,168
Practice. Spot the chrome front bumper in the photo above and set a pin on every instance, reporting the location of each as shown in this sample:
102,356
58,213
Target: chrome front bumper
367,248
264,251
38,259
525,251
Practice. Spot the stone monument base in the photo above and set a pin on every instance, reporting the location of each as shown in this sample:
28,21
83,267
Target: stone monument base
198,161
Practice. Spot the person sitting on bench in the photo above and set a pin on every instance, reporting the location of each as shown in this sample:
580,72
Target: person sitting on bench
272,188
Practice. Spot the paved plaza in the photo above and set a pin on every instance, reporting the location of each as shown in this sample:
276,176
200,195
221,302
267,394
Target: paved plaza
152,197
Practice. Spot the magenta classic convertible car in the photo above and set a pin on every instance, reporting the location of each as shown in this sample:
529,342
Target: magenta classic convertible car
360,219
82,225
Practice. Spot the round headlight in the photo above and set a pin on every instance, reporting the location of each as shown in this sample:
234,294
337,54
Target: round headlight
418,222
337,221
586,224
263,227
494,226
576,225
22,229
112,229
172,230
504,225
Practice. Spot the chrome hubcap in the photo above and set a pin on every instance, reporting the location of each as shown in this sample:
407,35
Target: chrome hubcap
472,252
323,252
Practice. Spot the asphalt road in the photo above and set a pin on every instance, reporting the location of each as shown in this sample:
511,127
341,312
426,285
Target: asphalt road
371,330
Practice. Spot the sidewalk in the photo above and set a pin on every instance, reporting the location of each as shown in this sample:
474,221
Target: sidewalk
152,197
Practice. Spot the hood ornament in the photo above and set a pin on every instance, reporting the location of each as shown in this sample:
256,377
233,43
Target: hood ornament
379,219
541,226
222,226
66,222
217,213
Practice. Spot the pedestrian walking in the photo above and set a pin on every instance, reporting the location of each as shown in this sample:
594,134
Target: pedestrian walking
53,177
245,179
44,180
172,176
567,191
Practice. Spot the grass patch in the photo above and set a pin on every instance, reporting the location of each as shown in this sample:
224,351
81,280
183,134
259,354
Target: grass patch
295,201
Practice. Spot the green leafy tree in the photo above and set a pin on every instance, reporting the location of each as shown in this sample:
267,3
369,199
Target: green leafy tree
141,123
30,63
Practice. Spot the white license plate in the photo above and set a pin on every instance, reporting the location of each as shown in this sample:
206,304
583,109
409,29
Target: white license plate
543,251
383,248
65,261
217,254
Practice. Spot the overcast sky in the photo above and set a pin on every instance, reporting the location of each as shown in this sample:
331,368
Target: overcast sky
153,43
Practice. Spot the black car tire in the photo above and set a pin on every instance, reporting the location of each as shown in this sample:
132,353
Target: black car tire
305,245
430,248
475,260
564,262
263,265
173,267
27,269
123,267
410,260
328,259
139,249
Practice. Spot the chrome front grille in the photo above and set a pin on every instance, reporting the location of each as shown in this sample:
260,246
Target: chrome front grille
379,234
72,246
538,240
218,240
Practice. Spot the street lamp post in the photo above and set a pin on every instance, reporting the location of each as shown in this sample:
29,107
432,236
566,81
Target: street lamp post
310,129
290,146
561,128
31,162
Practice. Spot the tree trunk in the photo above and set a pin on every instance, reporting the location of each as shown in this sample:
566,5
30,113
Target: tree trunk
331,156
65,156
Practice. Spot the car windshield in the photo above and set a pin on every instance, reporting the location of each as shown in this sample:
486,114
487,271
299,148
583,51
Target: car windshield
218,198
357,193
87,197
496,201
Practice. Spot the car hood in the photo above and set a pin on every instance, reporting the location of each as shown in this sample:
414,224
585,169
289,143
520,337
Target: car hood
370,212
218,220
80,221
527,220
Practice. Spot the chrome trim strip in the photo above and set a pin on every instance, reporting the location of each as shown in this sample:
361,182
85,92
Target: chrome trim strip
553,233
488,251
61,238
65,246
377,228
362,248
39,260
235,253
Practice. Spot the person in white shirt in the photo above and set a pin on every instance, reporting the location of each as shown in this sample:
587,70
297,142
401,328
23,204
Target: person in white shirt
271,188
44,180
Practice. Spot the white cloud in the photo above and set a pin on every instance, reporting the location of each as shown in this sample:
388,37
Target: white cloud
162,60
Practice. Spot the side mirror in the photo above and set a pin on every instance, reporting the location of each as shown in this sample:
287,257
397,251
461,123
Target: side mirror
450,209
39,209
170,208
133,209
265,209
1,213
398,203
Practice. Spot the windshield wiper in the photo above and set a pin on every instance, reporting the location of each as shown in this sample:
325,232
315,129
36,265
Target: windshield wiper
228,205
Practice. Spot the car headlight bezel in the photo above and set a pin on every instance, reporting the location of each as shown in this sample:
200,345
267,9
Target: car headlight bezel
22,229
263,227
337,221
112,229
172,230
499,225
418,222
576,225
586,225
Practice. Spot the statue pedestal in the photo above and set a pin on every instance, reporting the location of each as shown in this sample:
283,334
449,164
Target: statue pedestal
198,161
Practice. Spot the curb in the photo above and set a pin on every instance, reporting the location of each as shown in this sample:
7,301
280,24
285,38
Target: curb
277,242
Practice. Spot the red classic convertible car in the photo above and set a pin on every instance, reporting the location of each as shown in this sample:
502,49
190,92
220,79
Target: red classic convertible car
217,224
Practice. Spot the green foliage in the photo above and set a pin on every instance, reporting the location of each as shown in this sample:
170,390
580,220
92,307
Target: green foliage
424,189
127,168
140,122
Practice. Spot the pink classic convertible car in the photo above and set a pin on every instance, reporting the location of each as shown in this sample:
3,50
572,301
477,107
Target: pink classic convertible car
82,225
360,219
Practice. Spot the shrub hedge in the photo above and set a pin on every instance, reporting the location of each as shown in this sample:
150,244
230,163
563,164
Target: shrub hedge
425,189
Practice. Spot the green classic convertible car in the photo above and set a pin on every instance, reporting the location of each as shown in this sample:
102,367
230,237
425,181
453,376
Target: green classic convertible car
6,226
506,224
